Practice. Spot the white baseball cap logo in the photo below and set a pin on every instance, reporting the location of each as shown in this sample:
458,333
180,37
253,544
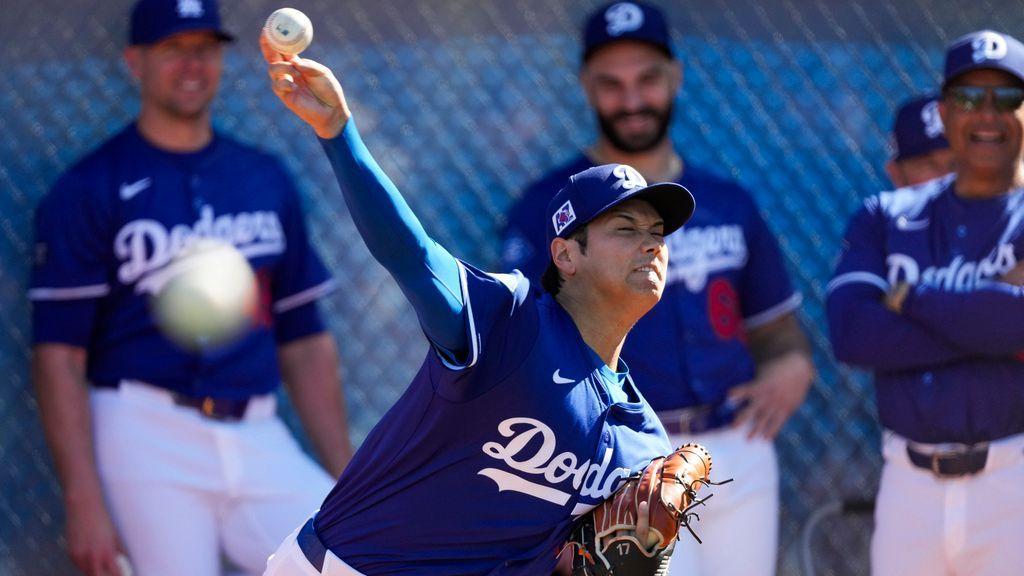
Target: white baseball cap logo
623,17
932,121
988,46
190,9
628,177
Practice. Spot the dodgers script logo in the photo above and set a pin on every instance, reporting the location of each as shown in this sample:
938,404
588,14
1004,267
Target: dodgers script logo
959,275
698,253
623,17
146,246
541,470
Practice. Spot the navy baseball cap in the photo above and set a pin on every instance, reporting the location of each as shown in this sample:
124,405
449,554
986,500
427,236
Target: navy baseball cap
917,128
154,20
594,191
985,49
626,21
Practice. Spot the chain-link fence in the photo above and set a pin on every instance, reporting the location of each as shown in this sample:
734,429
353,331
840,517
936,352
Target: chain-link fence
464,102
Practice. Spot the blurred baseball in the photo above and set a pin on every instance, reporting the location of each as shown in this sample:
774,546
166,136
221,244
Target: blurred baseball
288,31
209,295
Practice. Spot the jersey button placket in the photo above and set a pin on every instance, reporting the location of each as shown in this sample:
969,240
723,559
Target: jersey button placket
197,197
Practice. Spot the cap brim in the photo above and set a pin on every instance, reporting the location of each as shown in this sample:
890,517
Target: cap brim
596,47
911,151
673,202
986,66
187,27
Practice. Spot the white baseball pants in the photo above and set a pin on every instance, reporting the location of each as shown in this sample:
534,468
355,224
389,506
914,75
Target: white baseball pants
185,491
740,525
289,560
972,525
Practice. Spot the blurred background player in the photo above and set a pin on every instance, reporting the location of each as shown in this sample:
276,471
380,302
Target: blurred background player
920,151
521,418
927,294
739,364
173,457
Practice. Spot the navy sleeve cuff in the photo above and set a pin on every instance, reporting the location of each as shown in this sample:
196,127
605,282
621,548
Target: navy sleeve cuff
298,323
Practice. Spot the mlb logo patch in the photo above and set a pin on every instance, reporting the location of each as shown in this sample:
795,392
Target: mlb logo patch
563,217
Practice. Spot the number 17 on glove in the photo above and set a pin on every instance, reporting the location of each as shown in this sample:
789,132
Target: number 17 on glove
634,531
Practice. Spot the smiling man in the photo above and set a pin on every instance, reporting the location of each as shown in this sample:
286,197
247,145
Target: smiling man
176,457
927,294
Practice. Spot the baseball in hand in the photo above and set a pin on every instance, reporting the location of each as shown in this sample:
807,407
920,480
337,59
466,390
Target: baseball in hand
209,295
288,31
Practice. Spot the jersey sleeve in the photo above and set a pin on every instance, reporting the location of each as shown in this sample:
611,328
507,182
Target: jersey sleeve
984,320
766,292
862,330
71,263
491,302
501,326
301,279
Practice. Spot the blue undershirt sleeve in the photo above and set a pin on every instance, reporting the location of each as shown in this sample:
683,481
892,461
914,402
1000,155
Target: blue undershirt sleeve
427,273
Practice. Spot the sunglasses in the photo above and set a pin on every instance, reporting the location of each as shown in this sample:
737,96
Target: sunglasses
972,98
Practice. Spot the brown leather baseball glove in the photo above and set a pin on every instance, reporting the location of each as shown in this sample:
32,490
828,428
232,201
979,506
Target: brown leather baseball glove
634,531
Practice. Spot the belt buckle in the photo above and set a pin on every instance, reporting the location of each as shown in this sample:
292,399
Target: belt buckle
683,422
938,456
207,407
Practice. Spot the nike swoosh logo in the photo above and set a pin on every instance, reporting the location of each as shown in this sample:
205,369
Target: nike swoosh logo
559,380
129,191
907,225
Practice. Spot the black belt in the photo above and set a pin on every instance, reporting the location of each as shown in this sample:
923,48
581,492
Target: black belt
698,419
951,463
312,548
214,408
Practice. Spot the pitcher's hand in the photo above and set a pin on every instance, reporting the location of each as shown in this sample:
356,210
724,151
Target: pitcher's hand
309,89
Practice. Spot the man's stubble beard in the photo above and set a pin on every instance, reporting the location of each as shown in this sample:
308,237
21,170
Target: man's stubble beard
663,120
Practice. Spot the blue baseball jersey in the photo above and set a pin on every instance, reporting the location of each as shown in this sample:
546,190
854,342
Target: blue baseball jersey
109,226
725,276
483,463
948,367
